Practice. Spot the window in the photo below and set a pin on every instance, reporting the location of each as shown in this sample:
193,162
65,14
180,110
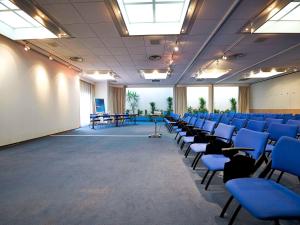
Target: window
222,96
86,103
194,94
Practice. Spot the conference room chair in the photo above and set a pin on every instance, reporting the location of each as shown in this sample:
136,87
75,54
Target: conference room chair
295,122
277,131
270,121
185,128
225,119
256,125
266,199
220,139
238,123
207,129
198,125
177,127
252,143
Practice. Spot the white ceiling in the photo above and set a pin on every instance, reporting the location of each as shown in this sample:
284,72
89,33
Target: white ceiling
96,39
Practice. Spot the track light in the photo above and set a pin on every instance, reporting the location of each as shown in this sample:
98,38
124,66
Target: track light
176,48
224,57
26,48
50,57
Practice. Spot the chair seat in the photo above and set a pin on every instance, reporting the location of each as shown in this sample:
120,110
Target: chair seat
265,199
182,133
214,162
198,147
188,139
269,148
233,138
178,130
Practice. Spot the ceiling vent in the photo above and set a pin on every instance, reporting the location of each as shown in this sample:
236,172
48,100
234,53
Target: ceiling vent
155,42
154,57
235,56
76,59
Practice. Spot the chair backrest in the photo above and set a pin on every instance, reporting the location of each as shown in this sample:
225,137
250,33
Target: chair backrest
272,120
193,120
294,122
278,130
225,120
199,123
252,139
239,123
286,155
256,125
187,119
224,131
209,126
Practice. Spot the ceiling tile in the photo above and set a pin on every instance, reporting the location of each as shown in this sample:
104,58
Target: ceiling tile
112,42
133,41
79,30
93,12
119,51
101,51
105,29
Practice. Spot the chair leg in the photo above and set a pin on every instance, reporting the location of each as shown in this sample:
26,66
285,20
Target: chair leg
187,151
195,159
196,162
176,135
271,173
210,179
182,145
279,177
236,212
226,206
178,140
203,179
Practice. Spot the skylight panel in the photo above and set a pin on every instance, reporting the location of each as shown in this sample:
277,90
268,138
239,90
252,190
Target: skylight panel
280,17
139,13
152,17
174,12
30,23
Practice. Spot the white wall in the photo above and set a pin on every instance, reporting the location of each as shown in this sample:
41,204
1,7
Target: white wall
278,93
101,91
158,95
37,96
193,95
222,95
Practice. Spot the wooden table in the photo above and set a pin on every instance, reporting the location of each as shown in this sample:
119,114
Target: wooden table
116,117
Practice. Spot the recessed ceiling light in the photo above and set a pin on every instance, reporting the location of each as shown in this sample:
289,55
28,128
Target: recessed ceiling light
155,74
176,48
153,17
50,57
101,75
26,48
211,73
19,21
280,17
265,74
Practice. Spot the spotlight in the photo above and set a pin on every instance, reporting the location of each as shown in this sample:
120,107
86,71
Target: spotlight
176,48
224,57
50,57
26,48
171,61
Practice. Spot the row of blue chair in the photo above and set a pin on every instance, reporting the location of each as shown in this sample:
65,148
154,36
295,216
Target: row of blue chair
251,139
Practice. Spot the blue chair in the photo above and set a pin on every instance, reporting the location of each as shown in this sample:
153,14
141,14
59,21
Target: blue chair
273,120
263,198
208,128
238,123
183,131
276,131
256,125
245,139
222,133
294,122
175,125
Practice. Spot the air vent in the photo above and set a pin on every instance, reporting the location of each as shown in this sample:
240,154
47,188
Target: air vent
155,42
260,39
155,81
154,57
235,56
76,59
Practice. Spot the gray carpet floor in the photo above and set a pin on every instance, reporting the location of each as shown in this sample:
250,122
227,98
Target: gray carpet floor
111,176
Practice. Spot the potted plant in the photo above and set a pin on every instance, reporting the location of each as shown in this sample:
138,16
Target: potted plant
233,104
170,105
202,105
153,107
133,99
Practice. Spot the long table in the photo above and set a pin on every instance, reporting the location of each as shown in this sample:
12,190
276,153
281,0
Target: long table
116,117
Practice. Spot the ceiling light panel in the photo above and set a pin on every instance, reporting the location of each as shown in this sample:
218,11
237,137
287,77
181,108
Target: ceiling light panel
154,74
101,75
17,24
153,17
280,17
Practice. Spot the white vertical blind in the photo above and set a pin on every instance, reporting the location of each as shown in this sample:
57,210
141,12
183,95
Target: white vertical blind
86,103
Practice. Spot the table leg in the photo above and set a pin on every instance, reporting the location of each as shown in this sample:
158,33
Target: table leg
117,121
